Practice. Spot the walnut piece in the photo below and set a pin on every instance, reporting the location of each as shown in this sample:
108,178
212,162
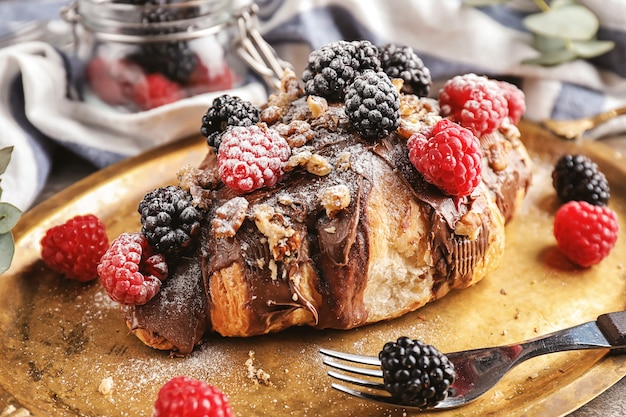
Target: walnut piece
229,217
469,225
317,105
318,165
335,198
106,386
258,376
281,238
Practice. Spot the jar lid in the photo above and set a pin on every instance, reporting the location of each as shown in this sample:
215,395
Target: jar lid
123,22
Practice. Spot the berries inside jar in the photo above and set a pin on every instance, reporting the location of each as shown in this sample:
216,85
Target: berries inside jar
147,54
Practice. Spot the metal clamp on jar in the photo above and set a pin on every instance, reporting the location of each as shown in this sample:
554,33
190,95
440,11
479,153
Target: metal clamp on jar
141,54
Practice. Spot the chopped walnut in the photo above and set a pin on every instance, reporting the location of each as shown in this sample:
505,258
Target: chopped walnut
200,181
258,376
469,225
289,84
343,161
106,386
317,105
281,238
415,115
318,165
497,155
299,157
297,133
229,217
285,199
278,103
510,131
335,198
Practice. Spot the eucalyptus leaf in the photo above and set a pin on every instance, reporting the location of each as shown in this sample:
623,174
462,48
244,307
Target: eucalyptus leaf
573,22
7,249
5,158
548,43
9,215
589,49
552,58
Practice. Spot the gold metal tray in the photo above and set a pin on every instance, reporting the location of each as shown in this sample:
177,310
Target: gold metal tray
60,339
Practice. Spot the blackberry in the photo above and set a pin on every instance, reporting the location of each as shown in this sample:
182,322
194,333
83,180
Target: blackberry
227,110
332,68
174,59
402,62
415,373
578,178
168,219
372,105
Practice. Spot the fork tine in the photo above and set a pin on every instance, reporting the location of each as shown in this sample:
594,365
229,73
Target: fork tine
366,395
357,381
366,360
354,369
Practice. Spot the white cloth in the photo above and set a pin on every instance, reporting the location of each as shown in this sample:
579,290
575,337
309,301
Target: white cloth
101,134
450,37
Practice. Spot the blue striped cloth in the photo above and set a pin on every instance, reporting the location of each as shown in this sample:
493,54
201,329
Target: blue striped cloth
40,112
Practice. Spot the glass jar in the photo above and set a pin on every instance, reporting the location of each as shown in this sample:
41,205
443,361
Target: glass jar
141,54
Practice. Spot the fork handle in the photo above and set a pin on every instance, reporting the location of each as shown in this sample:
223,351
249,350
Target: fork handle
613,327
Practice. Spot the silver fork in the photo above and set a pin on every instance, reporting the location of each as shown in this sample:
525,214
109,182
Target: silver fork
478,370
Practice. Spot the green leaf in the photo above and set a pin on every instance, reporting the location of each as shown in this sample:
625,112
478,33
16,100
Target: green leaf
548,43
589,49
7,249
552,58
573,22
5,158
9,215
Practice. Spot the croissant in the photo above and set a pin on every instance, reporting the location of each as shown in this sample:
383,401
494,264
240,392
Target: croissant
352,234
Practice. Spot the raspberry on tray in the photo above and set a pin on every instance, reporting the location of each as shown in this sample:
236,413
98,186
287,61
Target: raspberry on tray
74,248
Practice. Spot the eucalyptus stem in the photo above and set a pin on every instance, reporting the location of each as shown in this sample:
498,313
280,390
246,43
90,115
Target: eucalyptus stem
543,6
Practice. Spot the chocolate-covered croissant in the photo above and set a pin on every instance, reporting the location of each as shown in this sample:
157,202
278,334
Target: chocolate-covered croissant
352,234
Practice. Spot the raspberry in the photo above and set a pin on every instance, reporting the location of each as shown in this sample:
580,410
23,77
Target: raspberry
475,102
402,62
169,221
74,248
130,273
578,178
372,105
188,397
252,157
516,100
585,233
113,81
332,68
227,110
448,156
218,78
415,373
156,90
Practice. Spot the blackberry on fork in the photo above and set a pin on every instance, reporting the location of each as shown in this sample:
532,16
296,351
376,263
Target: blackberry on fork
415,373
